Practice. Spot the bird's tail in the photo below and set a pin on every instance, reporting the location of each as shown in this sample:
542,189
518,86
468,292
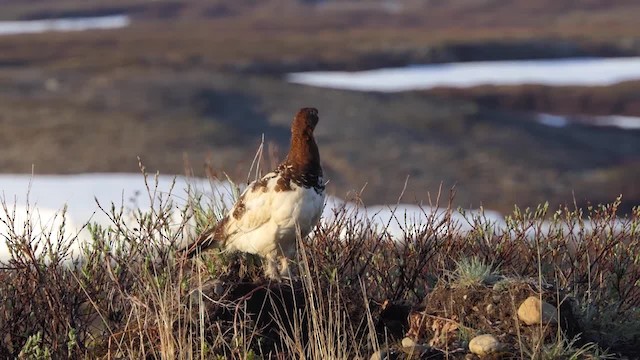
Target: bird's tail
207,239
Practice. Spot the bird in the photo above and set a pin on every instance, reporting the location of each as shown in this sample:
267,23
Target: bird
273,211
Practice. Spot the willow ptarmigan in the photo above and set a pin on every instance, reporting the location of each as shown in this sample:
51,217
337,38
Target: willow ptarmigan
273,211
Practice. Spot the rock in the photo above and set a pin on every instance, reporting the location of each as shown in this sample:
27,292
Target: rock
407,342
529,312
485,345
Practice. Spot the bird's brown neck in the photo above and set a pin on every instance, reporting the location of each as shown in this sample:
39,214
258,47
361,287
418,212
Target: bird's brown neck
302,165
303,154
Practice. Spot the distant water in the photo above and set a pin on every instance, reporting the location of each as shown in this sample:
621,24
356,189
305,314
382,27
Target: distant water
580,72
64,24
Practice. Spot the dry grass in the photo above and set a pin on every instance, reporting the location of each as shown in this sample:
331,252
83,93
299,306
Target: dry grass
129,296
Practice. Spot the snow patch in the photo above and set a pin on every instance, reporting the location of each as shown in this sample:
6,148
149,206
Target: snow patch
616,121
557,121
557,72
619,121
64,24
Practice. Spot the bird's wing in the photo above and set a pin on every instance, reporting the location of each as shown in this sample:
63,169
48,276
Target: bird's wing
254,208
251,210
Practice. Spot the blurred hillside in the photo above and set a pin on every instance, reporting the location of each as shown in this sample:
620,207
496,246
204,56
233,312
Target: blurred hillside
202,80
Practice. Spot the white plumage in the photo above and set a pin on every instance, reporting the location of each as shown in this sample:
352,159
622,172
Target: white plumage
271,221
273,212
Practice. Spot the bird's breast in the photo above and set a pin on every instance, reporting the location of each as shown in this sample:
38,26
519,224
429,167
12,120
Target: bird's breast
272,219
300,206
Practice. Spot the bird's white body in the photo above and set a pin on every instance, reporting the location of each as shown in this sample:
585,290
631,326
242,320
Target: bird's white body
273,212
270,220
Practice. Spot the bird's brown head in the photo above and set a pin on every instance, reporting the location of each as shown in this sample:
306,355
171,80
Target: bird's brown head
305,121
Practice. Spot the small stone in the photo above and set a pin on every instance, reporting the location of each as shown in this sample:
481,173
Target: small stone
485,345
529,312
407,342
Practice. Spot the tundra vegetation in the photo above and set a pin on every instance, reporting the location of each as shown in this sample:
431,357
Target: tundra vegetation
358,291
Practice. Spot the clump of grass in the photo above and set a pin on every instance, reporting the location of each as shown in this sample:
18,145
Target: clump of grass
472,271
568,349
329,328
33,349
